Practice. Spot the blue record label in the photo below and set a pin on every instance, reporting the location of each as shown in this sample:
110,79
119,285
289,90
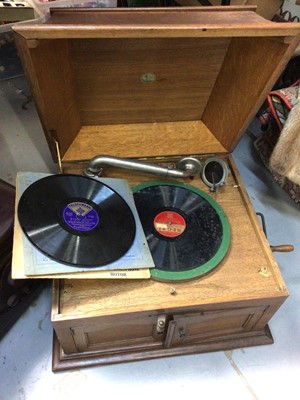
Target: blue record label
80,216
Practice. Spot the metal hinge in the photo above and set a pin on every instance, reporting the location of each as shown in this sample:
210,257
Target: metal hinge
161,324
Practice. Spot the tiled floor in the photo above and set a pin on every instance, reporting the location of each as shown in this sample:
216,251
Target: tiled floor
265,373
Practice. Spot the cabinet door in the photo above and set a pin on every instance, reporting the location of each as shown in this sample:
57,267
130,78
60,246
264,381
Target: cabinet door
211,325
122,335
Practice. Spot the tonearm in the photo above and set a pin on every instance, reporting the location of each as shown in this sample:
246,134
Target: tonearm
187,167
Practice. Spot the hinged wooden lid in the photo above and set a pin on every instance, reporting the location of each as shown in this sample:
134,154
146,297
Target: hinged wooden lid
151,82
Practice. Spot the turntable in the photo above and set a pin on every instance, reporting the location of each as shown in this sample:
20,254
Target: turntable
154,86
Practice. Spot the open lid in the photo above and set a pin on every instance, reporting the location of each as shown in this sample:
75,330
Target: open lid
151,82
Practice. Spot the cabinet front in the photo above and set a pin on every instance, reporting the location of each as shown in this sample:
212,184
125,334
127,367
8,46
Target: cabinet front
208,326
162,331
118,336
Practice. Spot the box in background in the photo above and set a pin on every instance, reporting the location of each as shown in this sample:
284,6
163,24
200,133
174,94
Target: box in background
43,7
265,8
14,11
10,65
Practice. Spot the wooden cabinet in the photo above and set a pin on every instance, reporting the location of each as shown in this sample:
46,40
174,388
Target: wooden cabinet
163,331
86,341
100,322
89,74
130,334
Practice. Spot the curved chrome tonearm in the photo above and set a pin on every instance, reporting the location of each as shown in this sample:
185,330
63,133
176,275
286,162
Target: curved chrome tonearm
187,167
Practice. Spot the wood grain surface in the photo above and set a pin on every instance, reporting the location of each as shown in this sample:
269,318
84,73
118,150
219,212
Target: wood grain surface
176,22
143,140
111,78
237,278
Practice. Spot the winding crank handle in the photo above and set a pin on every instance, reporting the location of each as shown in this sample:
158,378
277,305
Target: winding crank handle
283,248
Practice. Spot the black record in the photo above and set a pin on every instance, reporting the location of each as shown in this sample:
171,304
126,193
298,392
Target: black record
76,220
184,229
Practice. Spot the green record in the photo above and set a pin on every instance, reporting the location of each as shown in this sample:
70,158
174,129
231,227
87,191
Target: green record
187,231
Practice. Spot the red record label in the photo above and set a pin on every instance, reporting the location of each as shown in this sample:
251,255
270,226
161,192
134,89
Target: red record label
169,224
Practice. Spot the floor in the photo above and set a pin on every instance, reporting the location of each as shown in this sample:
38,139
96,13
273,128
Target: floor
266,373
